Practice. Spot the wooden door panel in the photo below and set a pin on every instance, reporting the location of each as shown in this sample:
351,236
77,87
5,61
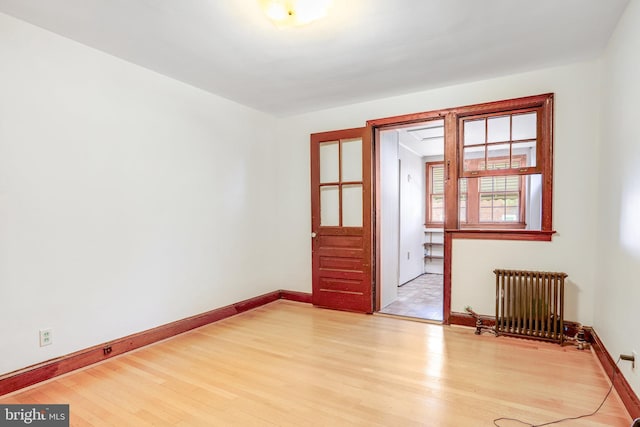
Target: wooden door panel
338,242
330,284
342,274
346,253
349,264
341,254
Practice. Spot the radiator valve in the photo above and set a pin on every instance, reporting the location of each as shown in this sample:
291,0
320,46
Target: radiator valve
479,325
581,342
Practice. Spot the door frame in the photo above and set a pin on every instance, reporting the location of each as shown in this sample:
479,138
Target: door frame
450,147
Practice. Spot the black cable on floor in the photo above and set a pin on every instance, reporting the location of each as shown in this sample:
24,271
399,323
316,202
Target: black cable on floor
613,376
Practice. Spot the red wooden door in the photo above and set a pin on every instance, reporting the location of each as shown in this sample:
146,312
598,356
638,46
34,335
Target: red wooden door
341,212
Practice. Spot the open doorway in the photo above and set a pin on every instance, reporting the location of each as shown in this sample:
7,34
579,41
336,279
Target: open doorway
411,215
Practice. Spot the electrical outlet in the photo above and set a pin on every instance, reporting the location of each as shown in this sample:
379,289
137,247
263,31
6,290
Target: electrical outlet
46,337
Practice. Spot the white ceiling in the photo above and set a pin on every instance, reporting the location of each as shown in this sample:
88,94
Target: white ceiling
365,49
424,139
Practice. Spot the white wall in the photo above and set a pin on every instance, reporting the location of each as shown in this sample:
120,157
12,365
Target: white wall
573,248
412,200
618,245
127,199
389,217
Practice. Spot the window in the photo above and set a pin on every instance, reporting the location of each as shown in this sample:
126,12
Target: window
485,202
505,165
500,200
492,201
509,138
435,194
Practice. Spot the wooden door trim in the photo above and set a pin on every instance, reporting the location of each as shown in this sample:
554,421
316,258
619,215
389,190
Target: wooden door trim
377,209
396,122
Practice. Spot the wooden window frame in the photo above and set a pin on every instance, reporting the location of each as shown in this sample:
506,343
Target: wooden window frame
543,105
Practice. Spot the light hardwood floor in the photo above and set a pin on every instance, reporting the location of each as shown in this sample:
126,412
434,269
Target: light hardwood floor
289,364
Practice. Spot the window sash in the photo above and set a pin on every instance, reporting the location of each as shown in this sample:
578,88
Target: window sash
471,212
475,151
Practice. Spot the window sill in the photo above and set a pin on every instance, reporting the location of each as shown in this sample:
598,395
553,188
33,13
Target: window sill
531,235
496,226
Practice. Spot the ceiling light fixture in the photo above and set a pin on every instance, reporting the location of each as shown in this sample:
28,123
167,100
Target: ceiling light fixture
287,13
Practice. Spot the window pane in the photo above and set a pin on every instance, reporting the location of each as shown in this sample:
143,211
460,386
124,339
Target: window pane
463,208
486,201
512,214
329,162
512,200
486,214
495,152
437,215
500,183
462,185
486,184
512,183
499,199
533,201
472,157
524,154
437,179
474,132
437,201
498,129
489,184
437,208
352,160
524,126
329,206
352,205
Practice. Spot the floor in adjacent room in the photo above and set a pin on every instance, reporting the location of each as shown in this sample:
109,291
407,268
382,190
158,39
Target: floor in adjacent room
420,298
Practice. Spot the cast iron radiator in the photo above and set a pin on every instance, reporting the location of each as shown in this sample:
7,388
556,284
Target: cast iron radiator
530,304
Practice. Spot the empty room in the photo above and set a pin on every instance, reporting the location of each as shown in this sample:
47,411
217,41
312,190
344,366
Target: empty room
297,212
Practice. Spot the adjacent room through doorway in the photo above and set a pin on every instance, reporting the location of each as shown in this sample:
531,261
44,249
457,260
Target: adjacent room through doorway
411,238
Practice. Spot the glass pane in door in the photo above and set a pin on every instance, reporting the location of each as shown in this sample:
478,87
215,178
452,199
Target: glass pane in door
329,162
352,205
352,160
330,206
